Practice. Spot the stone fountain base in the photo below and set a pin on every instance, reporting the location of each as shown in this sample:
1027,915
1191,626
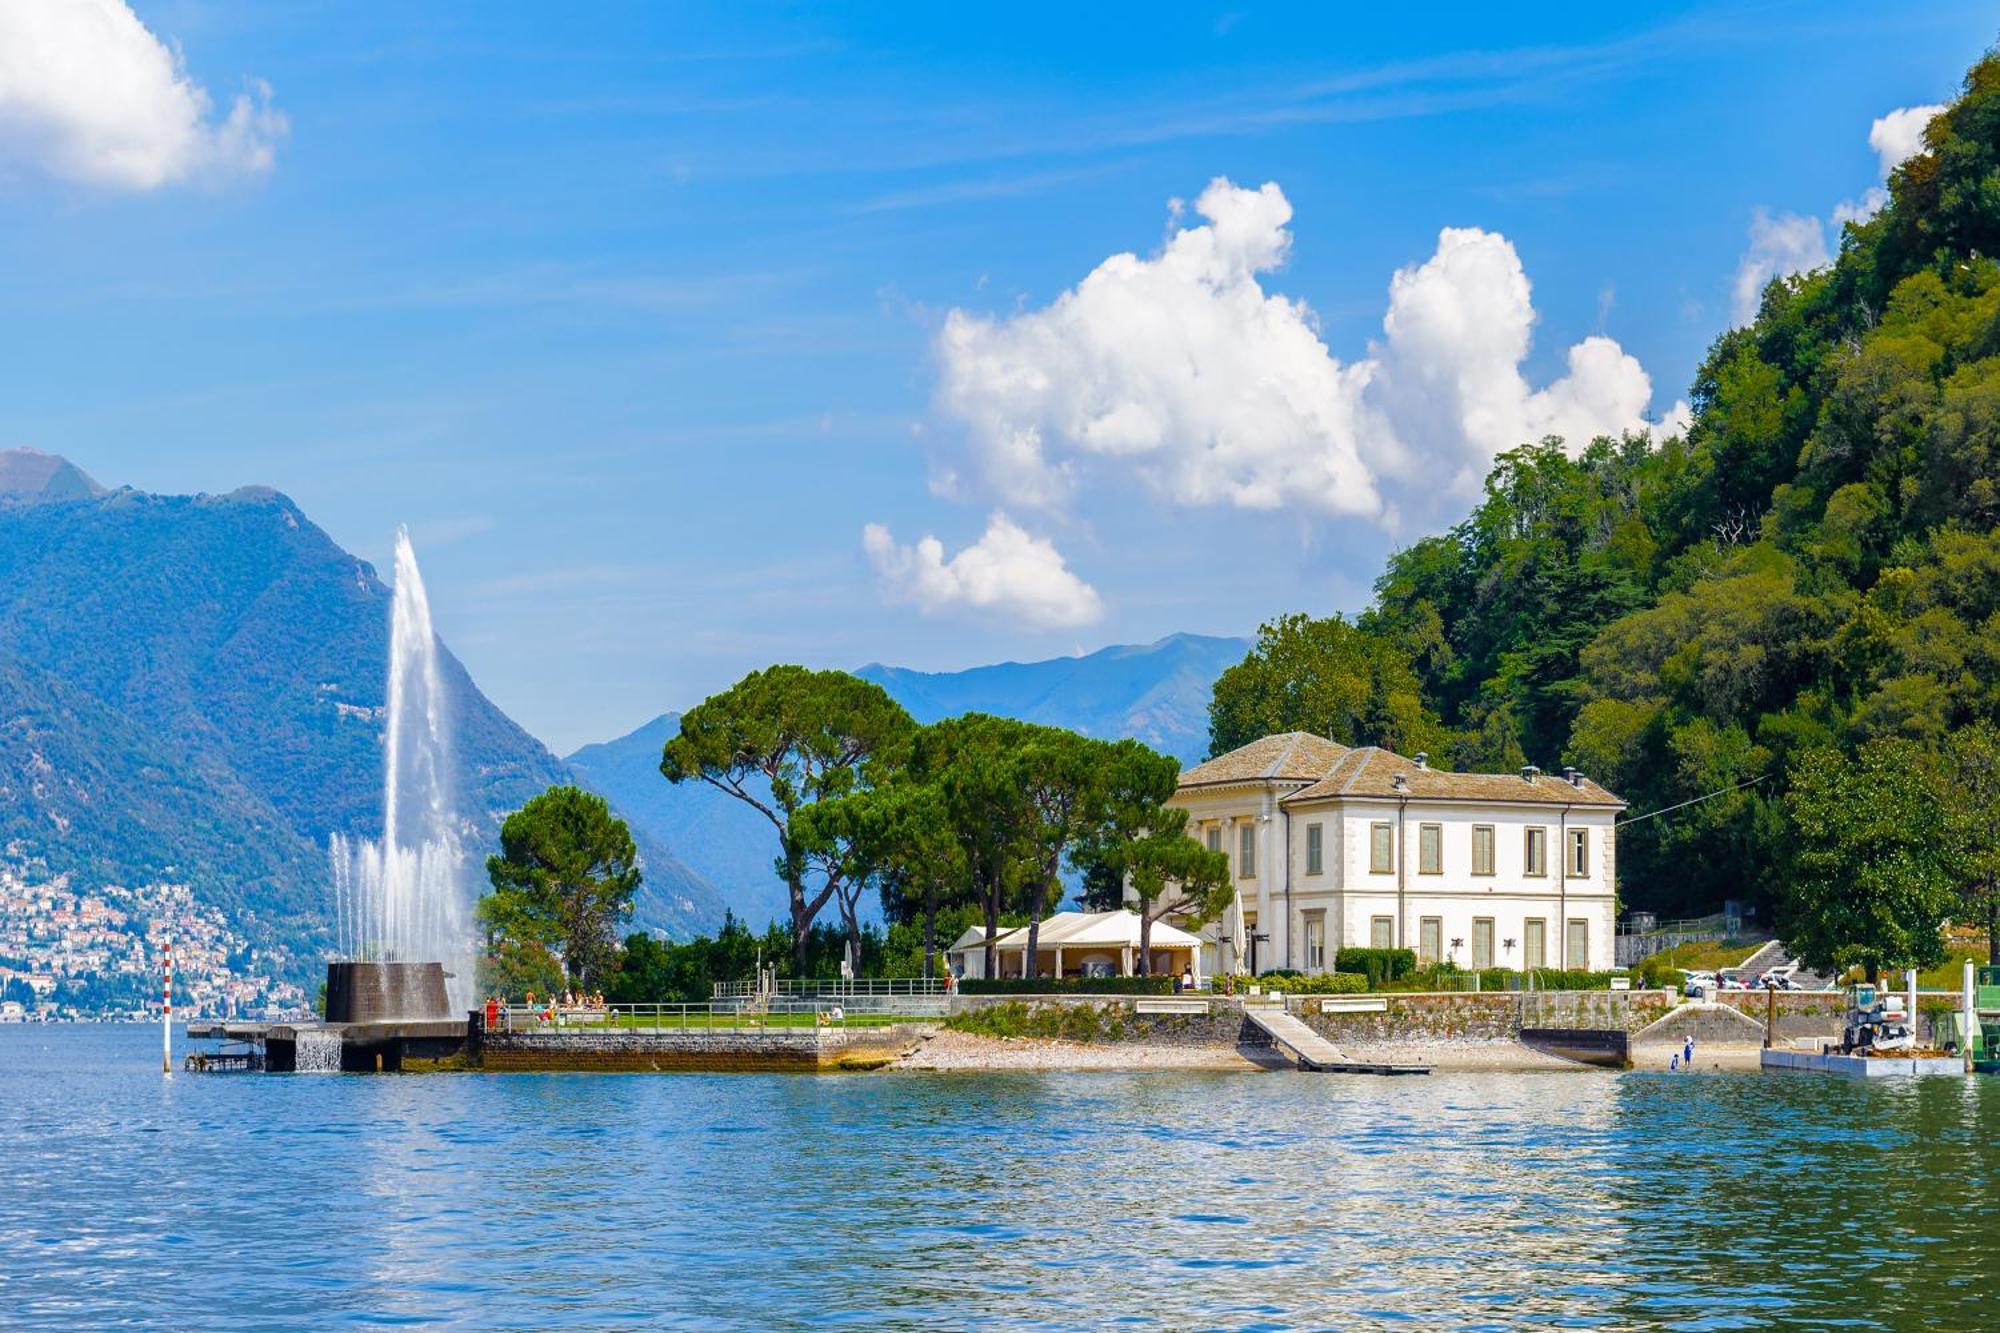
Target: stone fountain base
386,993
378,1014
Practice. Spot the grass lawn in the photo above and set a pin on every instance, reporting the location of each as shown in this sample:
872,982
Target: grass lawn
1706,955
1952,975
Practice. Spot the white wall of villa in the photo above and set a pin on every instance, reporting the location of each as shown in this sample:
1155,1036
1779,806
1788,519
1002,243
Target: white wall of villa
1521,875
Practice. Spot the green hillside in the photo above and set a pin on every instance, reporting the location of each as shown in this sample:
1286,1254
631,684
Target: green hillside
1817,561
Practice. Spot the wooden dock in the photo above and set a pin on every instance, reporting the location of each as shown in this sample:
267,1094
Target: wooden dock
1314,1052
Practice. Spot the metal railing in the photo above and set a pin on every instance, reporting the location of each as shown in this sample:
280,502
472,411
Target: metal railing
744,1015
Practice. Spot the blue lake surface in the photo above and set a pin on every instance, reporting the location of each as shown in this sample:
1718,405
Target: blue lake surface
1175,1200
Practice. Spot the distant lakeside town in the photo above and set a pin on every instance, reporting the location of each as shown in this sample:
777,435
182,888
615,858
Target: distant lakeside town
73,954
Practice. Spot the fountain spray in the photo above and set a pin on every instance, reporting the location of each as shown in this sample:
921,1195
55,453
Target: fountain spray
402,899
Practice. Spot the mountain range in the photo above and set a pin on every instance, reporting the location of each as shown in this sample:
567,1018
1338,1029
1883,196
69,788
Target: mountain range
191,690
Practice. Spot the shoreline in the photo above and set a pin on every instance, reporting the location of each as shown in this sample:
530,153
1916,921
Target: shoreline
960,1052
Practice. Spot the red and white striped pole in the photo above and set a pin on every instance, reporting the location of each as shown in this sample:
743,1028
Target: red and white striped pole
167,1015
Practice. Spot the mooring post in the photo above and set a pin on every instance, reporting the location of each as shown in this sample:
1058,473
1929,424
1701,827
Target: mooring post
1770,1014
167,1013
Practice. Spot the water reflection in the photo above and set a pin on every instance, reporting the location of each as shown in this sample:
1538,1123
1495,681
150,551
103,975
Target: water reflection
943,1200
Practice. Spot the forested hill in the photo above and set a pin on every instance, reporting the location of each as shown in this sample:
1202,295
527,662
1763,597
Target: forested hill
190,690
1816,562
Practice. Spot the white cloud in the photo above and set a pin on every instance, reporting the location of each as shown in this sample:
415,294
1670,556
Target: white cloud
1899,136
87,94
1447,379
1183,369
1006,571
1779,247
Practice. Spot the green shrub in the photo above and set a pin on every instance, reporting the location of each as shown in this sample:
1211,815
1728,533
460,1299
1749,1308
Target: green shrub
1325,983
1069,986
1380,966
1014,1019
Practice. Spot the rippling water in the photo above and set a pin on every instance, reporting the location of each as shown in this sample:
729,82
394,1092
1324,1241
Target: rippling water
1057,1200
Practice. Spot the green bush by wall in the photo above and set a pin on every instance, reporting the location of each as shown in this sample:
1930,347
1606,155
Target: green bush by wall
1326,983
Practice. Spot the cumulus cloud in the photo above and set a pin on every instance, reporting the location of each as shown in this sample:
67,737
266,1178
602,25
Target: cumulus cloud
88,94
1007,572
1184,370
1446,382
1899,136
1788,243
1779,247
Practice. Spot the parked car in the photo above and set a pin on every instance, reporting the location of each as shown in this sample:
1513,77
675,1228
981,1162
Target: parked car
1697,984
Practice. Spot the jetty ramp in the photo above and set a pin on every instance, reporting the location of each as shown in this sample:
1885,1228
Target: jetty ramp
1312,1051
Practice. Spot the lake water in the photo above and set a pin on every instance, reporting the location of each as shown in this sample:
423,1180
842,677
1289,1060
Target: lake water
1057,1200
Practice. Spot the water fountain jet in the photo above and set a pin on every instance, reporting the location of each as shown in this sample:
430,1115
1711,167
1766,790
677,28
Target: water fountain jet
402,900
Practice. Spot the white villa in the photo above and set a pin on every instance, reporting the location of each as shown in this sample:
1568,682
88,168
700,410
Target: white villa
1079,944
1334,847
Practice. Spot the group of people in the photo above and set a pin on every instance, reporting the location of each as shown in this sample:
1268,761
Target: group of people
570,1001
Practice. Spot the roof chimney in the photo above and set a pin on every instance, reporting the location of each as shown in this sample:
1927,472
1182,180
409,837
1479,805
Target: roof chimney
1401,782
1573,776
1423,759
1529,772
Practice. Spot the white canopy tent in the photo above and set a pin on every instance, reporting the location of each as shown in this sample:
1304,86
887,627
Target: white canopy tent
1080,944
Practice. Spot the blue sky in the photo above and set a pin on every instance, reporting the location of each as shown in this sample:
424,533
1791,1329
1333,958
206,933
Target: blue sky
637,315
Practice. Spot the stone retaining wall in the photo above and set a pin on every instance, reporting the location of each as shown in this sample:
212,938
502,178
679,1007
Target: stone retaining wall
770,1050
1802,1015
1425,1017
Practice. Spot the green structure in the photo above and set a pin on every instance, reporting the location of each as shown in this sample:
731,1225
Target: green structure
1978,1039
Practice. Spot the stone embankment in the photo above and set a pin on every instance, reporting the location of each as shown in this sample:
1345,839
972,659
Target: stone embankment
775,1050
1445,1029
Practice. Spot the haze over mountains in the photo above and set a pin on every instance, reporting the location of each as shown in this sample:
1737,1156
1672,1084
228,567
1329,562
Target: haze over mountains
191,691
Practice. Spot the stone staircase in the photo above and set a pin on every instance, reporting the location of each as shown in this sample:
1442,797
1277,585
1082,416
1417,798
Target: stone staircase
1772,956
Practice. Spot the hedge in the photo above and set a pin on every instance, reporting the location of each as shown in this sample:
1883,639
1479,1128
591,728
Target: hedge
1380,966
1445,977
1068,986
1326,983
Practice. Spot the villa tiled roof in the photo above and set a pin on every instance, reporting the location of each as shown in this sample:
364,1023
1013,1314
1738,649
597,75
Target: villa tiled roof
1291,756
1371,771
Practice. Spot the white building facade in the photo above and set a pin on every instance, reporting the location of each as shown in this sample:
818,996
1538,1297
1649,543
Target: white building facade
1332,847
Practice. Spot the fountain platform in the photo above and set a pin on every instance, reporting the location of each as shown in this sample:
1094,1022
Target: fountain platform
378,1016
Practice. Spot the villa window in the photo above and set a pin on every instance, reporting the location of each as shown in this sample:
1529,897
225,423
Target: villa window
1215,840
1579,946
1579,853
1430,940
1430,849
1534,943
1315,941
1381,849
1535,860
1382,933
1315,850
1246,851
1482,942
1482,849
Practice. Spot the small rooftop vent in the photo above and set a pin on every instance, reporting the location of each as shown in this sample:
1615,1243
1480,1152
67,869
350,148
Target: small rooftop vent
1529,772
1573,776
1401,782
1423,759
